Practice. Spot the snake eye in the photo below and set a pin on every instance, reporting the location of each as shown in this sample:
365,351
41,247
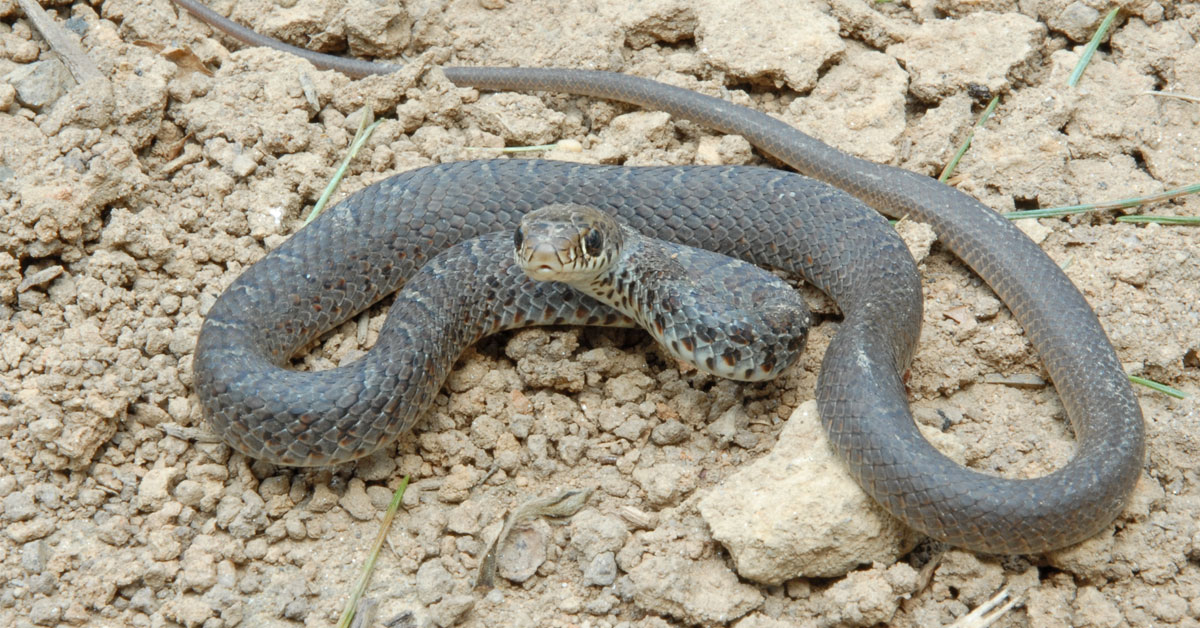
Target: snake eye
518,238
592,242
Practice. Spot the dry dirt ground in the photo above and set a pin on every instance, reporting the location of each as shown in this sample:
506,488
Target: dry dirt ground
128,204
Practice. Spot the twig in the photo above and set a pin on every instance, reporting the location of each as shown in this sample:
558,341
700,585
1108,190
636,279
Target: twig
78,62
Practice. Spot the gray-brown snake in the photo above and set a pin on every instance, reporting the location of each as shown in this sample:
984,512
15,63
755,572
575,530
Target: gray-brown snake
366,246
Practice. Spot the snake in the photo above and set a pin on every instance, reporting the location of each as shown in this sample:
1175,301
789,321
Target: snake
817,222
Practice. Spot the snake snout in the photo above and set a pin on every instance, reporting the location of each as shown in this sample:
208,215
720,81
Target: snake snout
543,259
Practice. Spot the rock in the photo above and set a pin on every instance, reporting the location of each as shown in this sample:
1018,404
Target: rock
33,556
798,513
521,119
356,502
323,498
188,610
41,83
450,610
602,571
524,550
593,533
666,483
867,598
727,426
684,589
19,507
670,432
433,582
859,106
198,569
945,56
25,531
46,612
744,39
155,487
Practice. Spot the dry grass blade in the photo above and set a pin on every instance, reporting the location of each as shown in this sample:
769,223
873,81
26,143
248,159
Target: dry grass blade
988,612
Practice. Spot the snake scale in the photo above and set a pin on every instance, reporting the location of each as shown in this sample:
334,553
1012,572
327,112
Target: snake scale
367,246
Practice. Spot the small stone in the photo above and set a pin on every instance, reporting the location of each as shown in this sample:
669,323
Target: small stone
377,467
466,518
19,507
274,486
356,502
295,528
163,544
523,551
46,429
630,387
667,483
34,555
189,610
323,499
433,582
684,589
670,432
198,569
25,531
457,486
725,429
594,533
40,84
449,611
632,429
189,492
154,489
602,571
243,165
46,612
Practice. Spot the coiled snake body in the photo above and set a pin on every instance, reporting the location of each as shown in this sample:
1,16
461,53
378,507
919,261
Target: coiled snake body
368,245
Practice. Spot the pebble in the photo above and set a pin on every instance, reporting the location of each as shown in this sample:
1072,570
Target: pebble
40,84
356,502
449,611
670,432
433,582
46,612
725,429
323,499
154,489
34,555
602,571
19,507
25,531
665,484
593,533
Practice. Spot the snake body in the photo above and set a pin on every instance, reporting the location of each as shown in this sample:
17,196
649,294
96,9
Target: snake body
366,246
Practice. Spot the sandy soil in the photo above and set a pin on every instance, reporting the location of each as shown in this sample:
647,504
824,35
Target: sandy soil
127,205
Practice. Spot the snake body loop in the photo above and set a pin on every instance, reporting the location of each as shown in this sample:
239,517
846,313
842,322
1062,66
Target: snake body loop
366,247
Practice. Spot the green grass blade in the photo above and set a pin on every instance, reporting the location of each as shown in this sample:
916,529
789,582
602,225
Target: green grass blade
1162,388
365,576
360,138
1118,204
1090,49
962,150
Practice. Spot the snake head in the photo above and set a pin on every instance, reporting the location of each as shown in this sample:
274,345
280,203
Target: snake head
567,242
